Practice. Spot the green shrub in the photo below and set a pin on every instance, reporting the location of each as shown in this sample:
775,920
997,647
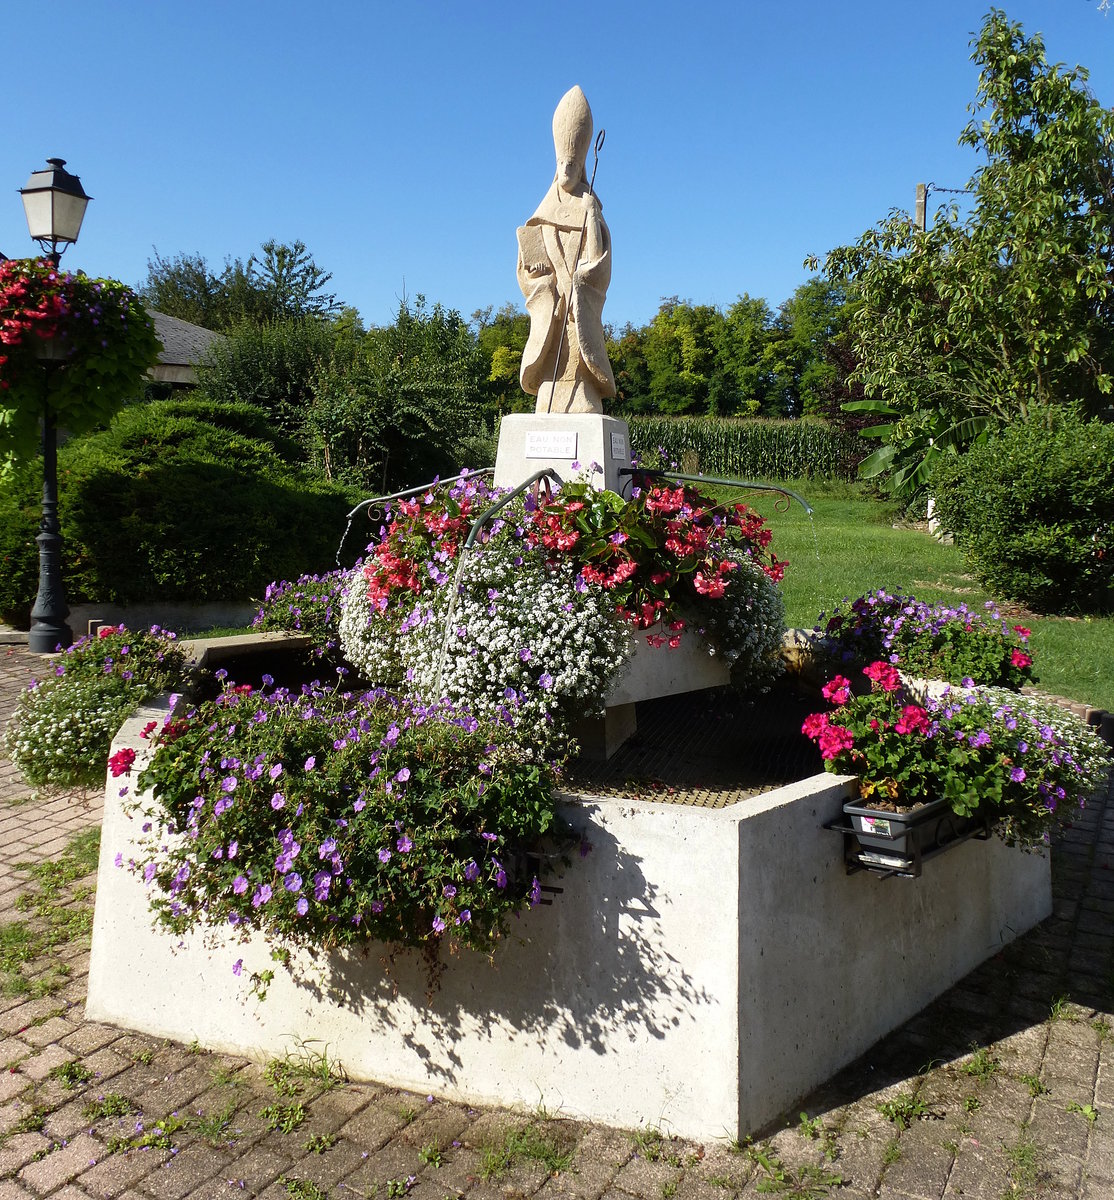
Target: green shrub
169,507
249,420
271,366
747,448
1033,511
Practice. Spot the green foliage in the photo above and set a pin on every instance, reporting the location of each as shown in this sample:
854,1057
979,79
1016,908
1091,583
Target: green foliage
532,1143
169,507
389,412
986,318
501,339
71,1074
1033,510
103,343
271,365
747,449
982,1065
903,1109
283,282
60,733
740,361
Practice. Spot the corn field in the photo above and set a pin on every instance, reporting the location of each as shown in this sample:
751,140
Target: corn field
740,448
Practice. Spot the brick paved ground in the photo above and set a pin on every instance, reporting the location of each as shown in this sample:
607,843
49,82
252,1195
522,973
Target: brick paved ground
1004,1087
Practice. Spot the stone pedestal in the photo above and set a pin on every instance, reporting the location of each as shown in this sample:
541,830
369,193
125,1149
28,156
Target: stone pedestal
569,443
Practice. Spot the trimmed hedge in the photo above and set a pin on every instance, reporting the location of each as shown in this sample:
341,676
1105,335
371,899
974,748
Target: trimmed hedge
748,448
1033,511
166,506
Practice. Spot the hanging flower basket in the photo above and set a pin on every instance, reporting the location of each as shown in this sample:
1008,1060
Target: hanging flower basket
97,328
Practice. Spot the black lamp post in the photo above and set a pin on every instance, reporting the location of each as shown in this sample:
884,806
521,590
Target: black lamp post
54,202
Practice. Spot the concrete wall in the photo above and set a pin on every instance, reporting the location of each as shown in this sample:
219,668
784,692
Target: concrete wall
702,969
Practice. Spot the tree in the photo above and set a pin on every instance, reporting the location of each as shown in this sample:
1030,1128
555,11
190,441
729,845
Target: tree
984,318
680,350
804,372
743,378
501,339
280,284
290,283
391,410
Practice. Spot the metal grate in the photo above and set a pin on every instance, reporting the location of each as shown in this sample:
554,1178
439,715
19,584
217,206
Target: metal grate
711,749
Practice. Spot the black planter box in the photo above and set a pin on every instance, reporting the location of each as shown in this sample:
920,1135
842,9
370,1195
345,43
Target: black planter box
898,842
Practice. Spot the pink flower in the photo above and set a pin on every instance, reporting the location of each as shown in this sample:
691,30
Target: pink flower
834,740
1020,659
814,725
883,674
913,719
121,762
837,690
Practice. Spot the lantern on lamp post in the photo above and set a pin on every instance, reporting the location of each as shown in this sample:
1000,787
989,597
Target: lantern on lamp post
54,202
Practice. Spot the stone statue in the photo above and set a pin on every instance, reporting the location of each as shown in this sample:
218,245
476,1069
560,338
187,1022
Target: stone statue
564,267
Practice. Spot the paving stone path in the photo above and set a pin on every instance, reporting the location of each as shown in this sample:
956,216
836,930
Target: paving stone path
1002,1088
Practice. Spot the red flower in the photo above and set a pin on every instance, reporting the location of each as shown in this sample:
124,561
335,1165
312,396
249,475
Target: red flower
913,719
883,674
837,690
1020,659
121,762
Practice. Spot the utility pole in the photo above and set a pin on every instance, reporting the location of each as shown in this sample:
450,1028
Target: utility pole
922,207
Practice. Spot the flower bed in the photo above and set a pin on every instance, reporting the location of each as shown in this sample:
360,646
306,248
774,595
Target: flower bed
1020,764
533,624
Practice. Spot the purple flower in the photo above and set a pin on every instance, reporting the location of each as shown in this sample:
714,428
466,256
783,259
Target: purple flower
471,872
1018,774
438,925
119,859
276,771
233,849
384,855
292,882
448,891
311,762
327,847
545,681
404,844
535,893
465,917
377,907
239,885
278,800
261,896
228,783
403,775
237,966
321,883
302,907
490,837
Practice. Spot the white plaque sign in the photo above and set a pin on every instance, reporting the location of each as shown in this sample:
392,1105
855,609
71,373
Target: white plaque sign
619,446
550,443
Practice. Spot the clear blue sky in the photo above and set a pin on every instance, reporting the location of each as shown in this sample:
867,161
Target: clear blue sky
403,142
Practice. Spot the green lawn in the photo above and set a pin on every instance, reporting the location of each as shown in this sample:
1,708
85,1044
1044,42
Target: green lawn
850,546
